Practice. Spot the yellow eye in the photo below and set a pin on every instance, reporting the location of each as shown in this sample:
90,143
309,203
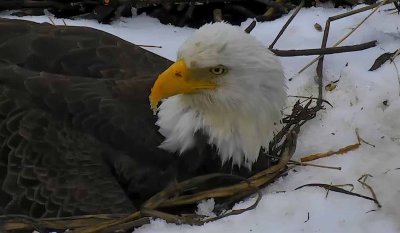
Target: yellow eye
218,70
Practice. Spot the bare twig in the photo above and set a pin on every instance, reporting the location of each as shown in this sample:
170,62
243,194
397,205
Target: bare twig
397,53
149,46
339,186
315,165
51,20
324,51
308,217
251,26
337,189
362,180
238,211
360,139
395,66
307,164
327,190
345,185
340,16
310,97
342,150
287,24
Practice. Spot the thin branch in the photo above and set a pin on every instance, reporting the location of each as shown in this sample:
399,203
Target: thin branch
287,24
307,164
238,211
312,98
376,6
395,66
315,165
337,189
149,46
324,51
362,180
251,26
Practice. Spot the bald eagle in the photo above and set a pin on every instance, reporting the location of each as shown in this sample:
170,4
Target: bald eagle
90,123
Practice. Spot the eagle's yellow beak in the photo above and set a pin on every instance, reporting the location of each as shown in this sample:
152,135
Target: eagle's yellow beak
177,79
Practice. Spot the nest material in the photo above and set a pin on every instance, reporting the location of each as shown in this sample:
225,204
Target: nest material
175,12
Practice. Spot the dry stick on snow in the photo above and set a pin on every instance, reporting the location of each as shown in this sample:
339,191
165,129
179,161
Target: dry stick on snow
300,115
395,66
310,97
324,51
320,58
339,186
337,189
237,211
314,165
320,51
149,46
360,139
397,53
398,74
362,180
320,77
340,151
308,217
340,16
345,185
52,22
287,24
251,26
327,191
298,163
169,195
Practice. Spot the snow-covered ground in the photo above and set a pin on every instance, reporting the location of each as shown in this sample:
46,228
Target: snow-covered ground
357,103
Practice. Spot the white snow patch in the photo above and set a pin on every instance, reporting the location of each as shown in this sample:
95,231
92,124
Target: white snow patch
206,208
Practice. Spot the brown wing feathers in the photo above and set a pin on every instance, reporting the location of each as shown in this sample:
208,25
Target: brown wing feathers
69,117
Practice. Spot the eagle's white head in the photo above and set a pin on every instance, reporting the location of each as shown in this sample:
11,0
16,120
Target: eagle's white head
225,83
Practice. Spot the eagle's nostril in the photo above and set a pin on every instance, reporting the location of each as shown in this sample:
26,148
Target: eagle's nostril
178,74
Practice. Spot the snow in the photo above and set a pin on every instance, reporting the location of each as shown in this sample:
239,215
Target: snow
206,208
357,103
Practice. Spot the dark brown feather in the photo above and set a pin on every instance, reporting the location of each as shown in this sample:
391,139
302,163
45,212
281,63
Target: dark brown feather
70,112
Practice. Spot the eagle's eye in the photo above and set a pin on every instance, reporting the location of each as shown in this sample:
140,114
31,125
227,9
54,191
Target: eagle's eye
218,70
